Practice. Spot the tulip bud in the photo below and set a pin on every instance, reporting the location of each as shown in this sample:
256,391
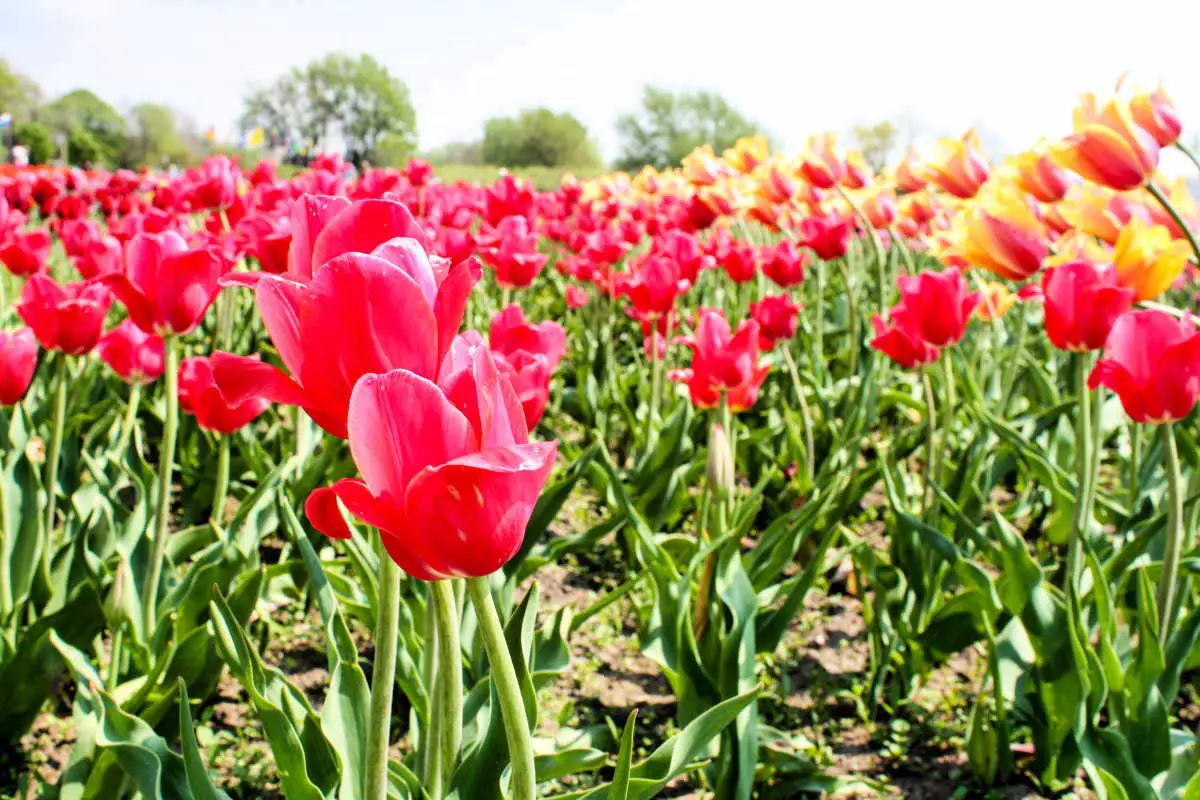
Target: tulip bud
720,464
121,605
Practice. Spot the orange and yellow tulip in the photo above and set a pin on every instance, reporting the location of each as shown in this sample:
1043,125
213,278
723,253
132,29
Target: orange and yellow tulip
747,153
1038,176
1098,212
1155,114
820,165
858,173
957,166
879,205
701,167
1001,233
1147,259
908,174
1108,148
995,303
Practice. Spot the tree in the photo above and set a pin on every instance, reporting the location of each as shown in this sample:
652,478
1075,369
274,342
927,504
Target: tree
671,125
19,94
538,137
876,142
37,139
470,153
91,122
153,137
356,97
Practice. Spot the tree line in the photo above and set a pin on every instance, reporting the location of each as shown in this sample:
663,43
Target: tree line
355,101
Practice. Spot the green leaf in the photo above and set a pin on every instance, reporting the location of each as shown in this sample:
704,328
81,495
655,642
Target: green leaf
1107,754
549,503
201,786
568,762
620,782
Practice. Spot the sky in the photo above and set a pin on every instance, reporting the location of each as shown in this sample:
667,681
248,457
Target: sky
1012,69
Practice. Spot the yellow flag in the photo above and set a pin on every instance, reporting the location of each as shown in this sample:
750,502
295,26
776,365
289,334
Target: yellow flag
211,134
255,138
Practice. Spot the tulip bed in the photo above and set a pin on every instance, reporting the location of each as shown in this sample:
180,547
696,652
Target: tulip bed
324,489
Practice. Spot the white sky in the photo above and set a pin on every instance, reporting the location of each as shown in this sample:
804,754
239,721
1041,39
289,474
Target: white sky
1013,69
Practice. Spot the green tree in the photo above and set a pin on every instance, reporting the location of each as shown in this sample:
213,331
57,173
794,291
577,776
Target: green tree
83,149
19,94
876,142
670,125
537,137
469,153
37,139
356,97
83,116
154,137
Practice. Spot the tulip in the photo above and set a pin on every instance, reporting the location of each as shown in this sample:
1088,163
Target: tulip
880,209
1039,176
957,166
723,363
1156,115
701,167
935,306
165,286
820,165
1147,259
577,297
1000,233
747,153
740,263
510,333
1151,360
418,444
908,175
858,173
1082,304
777,317
1100,212
828,237
18,360
202,396
1108,148
654,286
511,250
66,318
360,314
529,374
775,186
995,302
136,356
25,252
784,264
901,344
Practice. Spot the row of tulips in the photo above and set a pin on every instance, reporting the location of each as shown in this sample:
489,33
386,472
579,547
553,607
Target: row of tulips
742,279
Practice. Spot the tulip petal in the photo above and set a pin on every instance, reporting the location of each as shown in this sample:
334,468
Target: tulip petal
473,511
242,378
451,302
310,214
279,301
362,227
137,304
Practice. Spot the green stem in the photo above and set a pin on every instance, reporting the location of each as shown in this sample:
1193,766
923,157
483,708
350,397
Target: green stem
656,370
129,423
1187,151
431,769
221,490
1174,544
876,245
1170,209
1135,466
1014,365
1083,463
114,661
820,332
909,265
948,409
805,414
930,442
449,684
56,439
852,310
383,679
166,461
504,679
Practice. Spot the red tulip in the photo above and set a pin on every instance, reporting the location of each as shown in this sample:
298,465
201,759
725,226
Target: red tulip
132,353
740,263
25,252
935,306
777,317
202,396
510,333
511,250
653,286
684,249
784,264
360,314
577,297
904,346
66,318
529,374
165,286
828,237
723,362
1082,303
91,250
215,184
18,360
1152,361
450,478
418,172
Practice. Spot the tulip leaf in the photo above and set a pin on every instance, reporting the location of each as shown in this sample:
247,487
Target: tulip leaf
620,782
199,782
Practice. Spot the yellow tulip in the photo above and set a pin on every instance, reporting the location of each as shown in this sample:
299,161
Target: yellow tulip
1147,259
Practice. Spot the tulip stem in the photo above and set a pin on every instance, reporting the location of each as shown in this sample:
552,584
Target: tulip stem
1189,152
852,311
820,332
166,461
805,414
221,489
447,722
430,752
1014,364
504,678
656,370
1174,543
1135,467
130,421
930,442
1163,201
876,245
383,678
1083,462
56,439
909,266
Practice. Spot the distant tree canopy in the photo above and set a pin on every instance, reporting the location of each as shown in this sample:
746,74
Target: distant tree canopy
36,139
876,142
537,137
670,125
95,131
19,94
338,93
154,137
469,153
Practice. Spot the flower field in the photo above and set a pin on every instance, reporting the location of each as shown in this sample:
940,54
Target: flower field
762,477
